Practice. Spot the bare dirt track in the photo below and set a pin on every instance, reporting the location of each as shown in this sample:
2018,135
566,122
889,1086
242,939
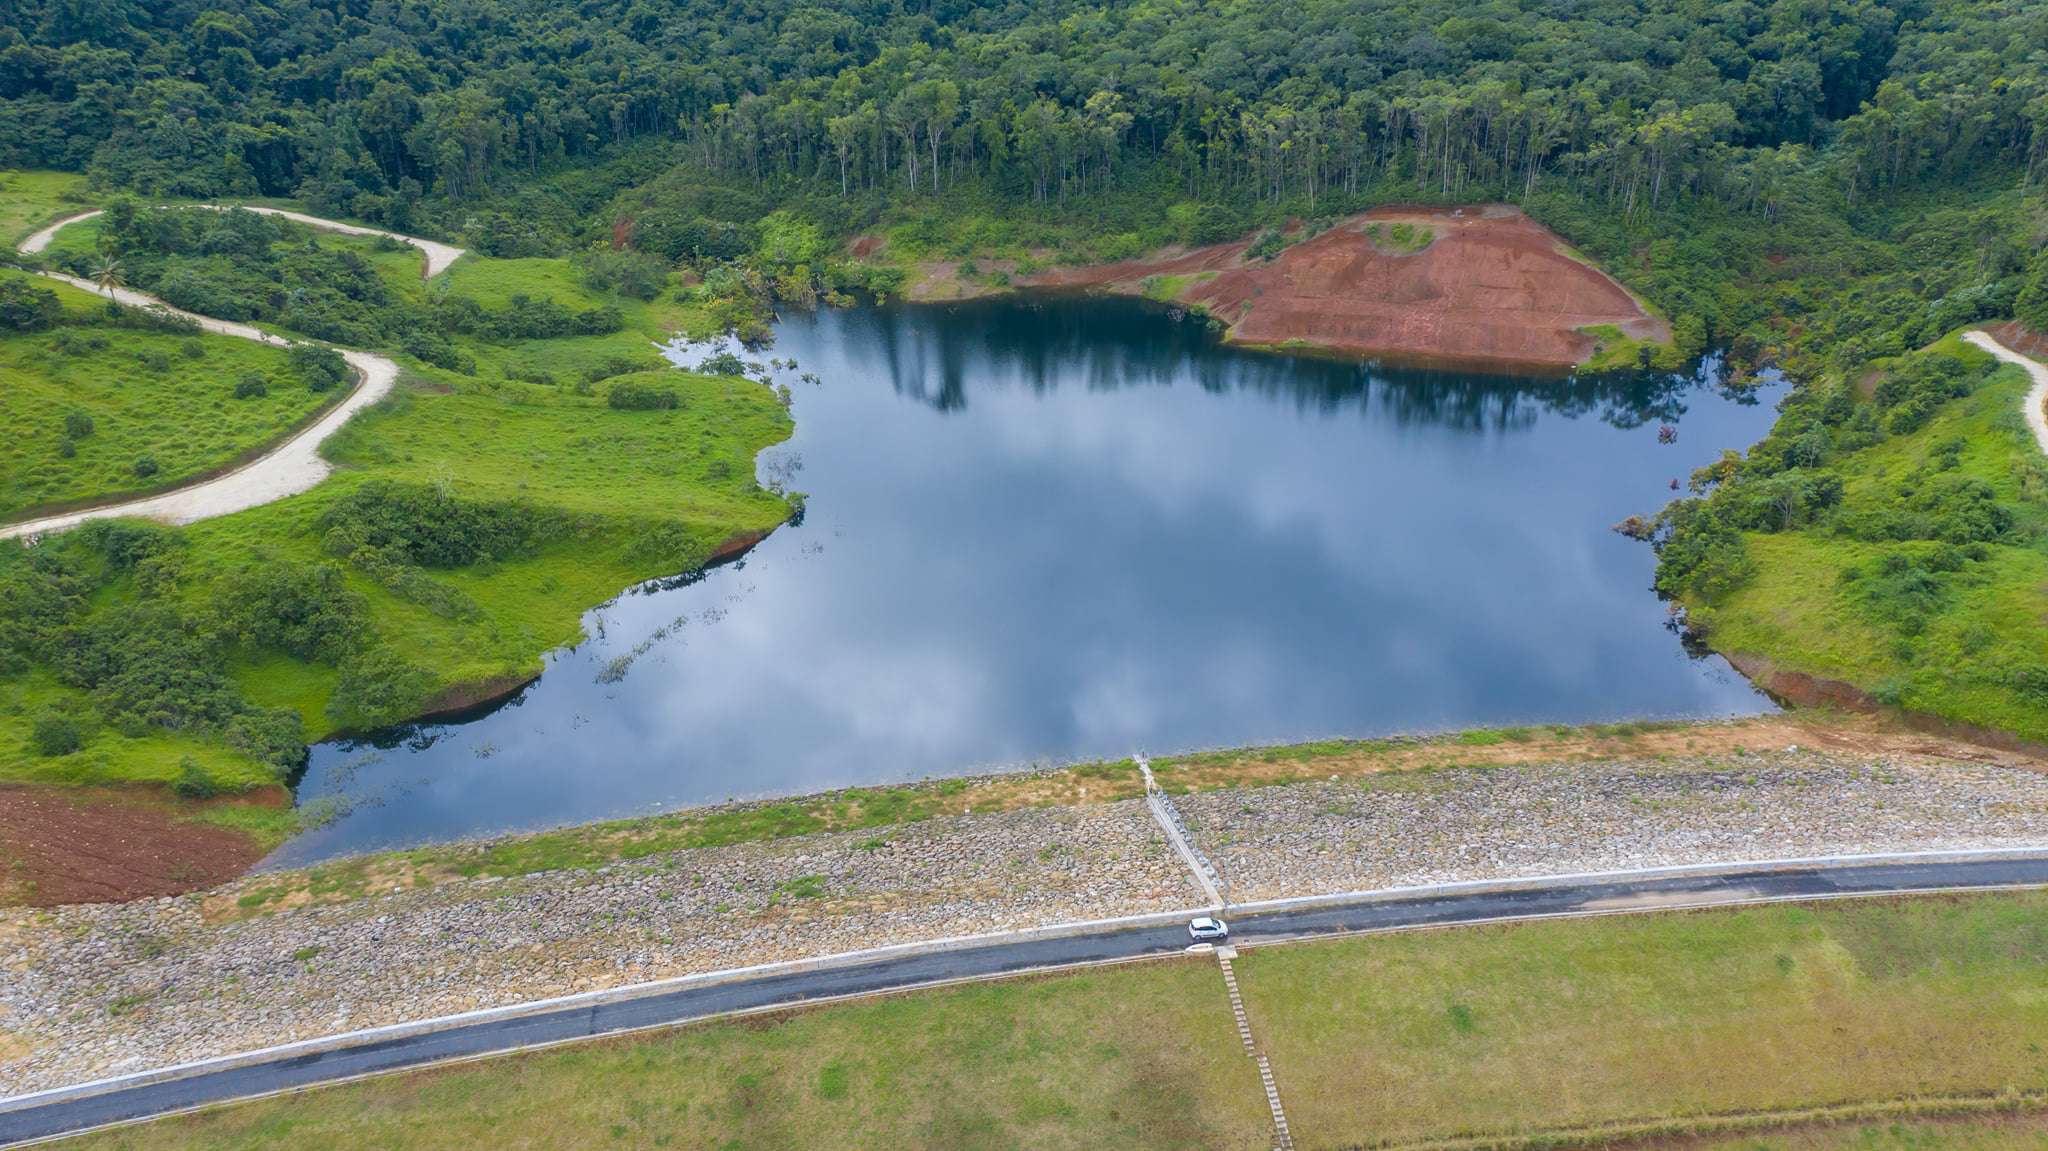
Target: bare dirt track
92,845
1492,286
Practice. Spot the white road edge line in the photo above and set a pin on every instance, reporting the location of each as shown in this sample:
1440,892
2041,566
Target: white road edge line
1052,931
935,984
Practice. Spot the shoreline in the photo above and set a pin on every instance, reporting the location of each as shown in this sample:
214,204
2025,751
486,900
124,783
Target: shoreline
1086,784
1481,288
463,700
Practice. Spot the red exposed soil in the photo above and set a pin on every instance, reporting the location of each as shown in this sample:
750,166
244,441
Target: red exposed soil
1802,690
92,845
1493,285
2020,338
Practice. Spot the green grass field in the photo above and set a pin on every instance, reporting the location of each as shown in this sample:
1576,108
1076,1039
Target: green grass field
501,440
655,492
2009,1131
165,397
1798,613
31,199
1917,1014
1133,1057
547,445
1517,1030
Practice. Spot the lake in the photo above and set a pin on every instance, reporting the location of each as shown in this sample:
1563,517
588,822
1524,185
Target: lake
1053,529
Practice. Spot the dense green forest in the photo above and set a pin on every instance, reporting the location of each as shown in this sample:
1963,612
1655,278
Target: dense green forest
1707,152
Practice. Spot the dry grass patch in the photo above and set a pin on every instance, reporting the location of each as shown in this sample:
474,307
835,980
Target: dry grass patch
1539,1027
1139,1057
1557,743
2013,1131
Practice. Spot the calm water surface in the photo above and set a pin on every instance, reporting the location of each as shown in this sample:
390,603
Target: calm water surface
1065,529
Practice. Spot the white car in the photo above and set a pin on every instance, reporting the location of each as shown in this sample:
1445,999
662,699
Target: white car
1207,930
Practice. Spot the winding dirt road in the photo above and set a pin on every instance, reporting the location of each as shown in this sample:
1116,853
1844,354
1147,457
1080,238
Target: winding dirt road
2036,395
438,257
293,465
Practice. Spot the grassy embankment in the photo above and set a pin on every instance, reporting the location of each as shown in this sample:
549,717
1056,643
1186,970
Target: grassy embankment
1922,585
31,199
1400,763
166,398
1533,1035
625,495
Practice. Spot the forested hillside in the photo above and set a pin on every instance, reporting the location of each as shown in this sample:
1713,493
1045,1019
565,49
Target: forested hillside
1698,148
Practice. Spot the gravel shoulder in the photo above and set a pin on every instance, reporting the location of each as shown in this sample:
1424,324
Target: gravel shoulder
102,989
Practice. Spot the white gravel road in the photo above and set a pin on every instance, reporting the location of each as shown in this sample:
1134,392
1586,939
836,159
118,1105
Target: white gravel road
2036,395
438,256
294,465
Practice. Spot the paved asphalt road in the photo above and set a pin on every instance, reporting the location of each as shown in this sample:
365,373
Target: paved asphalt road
31,1122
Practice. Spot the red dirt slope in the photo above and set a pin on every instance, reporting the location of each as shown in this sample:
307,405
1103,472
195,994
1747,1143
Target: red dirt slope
93,845
1493,285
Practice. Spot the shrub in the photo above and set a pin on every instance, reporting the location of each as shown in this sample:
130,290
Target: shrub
194,781
77,424
55,735
27,308
434,348
319,368
639,275
1699,552
378,688
250,386
421,526
615,365
640,396
192,350
723,364
146,467
66,449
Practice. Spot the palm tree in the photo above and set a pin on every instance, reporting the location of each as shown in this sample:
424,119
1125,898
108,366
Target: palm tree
108,275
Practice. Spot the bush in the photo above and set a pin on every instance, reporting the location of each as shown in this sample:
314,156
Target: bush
146,467
77,424
317,367
27,308
682,237
434,348
1267,246
66,449
194,781
380,687
640,396
1215,224
616,365
723,364
55,735
637,275
250,386
416,524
